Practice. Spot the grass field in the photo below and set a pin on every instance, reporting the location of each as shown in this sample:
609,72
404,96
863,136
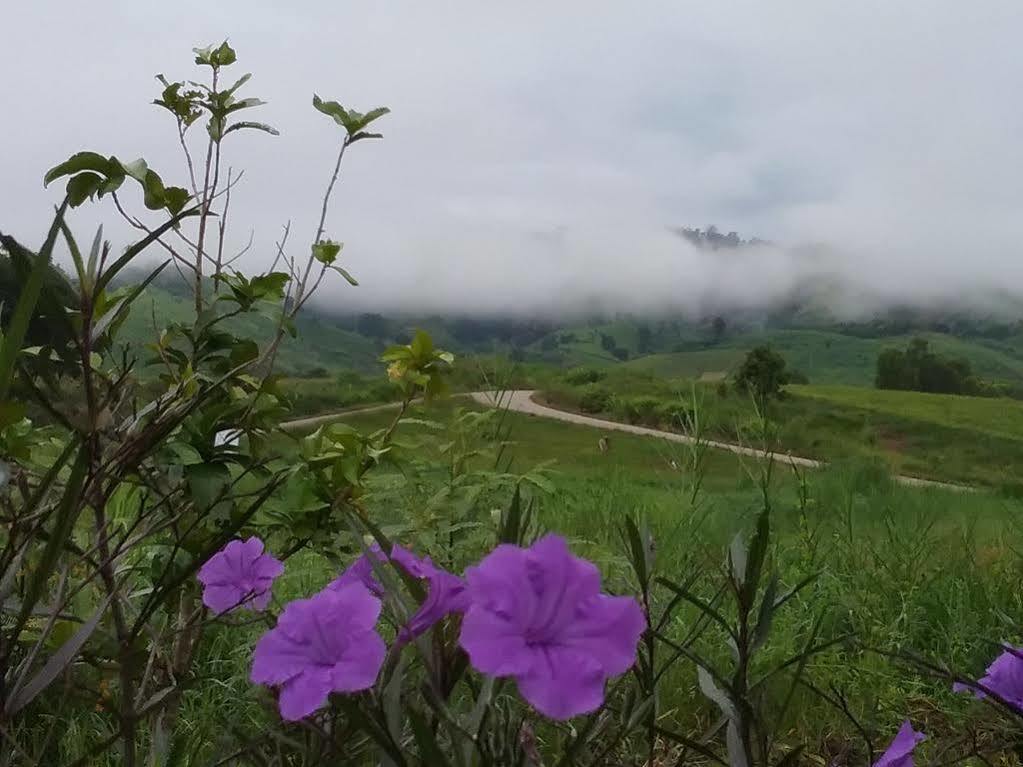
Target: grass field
833,358
958,439
997,417
929,570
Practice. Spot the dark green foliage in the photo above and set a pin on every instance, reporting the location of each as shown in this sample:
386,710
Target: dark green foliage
762,373
46,327
595,399
579,376
920,369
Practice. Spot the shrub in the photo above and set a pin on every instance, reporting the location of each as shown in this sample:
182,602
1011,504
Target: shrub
595,399
643,410
580,376
762,373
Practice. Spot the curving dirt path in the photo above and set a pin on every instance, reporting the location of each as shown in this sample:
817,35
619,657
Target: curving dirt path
522,401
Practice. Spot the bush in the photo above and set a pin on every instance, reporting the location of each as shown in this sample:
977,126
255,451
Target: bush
595,399
580,376
638,410
675,415
762,373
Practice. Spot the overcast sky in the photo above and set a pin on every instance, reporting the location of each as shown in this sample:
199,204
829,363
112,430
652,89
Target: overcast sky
538,151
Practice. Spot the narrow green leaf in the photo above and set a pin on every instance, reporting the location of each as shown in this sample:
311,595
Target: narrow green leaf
430,752
124,304
360,135
344,273
94,252
65,515
138,247
76,257
14,336
56,663
245,124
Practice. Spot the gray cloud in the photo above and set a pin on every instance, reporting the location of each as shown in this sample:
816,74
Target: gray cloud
537,152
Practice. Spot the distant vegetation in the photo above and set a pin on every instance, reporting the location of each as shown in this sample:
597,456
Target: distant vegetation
920,369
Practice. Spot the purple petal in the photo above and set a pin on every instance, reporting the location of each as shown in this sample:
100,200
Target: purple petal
277,658
360,609
446,594
608,629
303,694
900,752
361,571
495,646
360,666
221,599
563,684
411,564
251,549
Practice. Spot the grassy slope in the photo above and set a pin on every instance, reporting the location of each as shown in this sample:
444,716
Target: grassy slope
832,358
920,568
996,417
960,439
319,342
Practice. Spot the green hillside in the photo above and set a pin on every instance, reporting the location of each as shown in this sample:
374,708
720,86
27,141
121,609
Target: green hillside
991,416
320,342
833,358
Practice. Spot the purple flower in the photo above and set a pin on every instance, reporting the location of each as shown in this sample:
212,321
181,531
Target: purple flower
361,571
1003,677
900,752
240,574
323,644
537,615
445,593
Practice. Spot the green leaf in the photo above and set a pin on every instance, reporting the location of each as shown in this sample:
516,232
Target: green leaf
83,161
121,311
137,169
710,688
67,511
737,557
326,251
11,411
344,273
83,187
363,135
207,483
269,285
175,198
243,104
370,116
430,752
56,663
224,55
219,56
757,555
138,247
243,125
94,253
239,83
331,109
14,337
422,345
